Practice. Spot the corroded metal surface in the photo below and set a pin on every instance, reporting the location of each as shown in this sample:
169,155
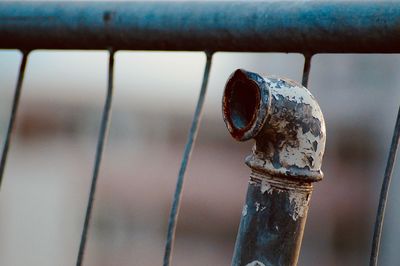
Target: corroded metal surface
289,131
272,223
285,120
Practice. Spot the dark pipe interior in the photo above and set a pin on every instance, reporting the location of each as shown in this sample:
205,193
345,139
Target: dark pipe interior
243,103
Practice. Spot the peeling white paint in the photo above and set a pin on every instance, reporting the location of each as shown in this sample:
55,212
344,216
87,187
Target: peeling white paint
258,160
298,203
257,206
303,153
244,211
265,186
299,157
292,156
255,263
294,92
252,182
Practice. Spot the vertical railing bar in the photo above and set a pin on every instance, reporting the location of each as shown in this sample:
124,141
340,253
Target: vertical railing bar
13,115
306,69
185,159
105,122
380,216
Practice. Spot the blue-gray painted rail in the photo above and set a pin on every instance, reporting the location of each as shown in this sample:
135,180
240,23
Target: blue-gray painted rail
278,26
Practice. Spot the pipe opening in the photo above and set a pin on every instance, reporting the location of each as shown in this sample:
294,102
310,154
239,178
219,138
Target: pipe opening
243,104
243,100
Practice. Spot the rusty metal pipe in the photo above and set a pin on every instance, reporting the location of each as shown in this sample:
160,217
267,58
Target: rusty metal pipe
289,131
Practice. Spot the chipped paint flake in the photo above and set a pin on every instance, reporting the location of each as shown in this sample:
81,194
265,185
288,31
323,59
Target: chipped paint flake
244,211
257,206
298,204
307,156
265,186
255,263
292,91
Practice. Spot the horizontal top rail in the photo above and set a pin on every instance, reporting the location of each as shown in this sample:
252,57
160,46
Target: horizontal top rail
278,26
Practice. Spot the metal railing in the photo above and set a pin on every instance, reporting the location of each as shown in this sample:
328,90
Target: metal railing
306,27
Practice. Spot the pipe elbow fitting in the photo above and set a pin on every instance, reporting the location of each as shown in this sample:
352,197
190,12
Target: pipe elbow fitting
284,119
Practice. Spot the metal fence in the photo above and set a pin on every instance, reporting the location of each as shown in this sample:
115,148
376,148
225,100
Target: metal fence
306,27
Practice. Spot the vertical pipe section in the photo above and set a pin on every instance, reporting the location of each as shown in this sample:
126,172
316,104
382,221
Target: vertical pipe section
13,115
105,122
289,131
380,215
185,159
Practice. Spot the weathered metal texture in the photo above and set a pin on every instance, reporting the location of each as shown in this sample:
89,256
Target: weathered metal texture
279,26
288,126
272,224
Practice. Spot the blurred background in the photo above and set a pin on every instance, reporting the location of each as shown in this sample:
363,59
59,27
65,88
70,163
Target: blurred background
46,183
